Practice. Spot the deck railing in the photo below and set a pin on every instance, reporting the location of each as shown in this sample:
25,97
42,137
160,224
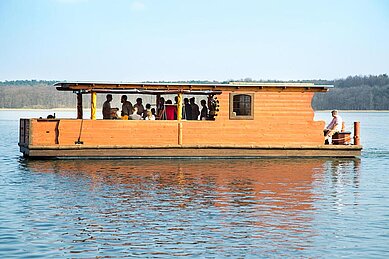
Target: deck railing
24,132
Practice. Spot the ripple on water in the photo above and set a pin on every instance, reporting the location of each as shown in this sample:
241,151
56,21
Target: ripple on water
84,208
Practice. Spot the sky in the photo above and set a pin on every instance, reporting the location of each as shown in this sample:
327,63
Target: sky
156,40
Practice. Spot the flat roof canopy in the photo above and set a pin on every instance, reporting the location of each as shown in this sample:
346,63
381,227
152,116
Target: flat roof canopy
166,88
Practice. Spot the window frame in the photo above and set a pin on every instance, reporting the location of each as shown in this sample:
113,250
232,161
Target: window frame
241,117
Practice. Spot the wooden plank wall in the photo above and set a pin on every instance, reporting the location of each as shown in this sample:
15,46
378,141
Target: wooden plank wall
106,132
280,118
43,132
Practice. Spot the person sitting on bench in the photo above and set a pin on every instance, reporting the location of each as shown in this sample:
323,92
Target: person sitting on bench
334,126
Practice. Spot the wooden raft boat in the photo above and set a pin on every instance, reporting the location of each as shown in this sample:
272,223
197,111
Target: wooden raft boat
247,120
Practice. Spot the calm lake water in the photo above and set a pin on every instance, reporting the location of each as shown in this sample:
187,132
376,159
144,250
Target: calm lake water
196,208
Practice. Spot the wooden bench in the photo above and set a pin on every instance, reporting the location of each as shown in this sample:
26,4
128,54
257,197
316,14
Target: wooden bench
341,138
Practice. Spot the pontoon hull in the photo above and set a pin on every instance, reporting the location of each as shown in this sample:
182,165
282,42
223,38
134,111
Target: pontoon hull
190,151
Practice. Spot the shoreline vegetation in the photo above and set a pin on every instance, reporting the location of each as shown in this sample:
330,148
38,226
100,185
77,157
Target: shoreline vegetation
354,93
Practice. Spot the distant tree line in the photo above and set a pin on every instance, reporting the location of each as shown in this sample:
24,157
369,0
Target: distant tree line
352,93
355,93
34,94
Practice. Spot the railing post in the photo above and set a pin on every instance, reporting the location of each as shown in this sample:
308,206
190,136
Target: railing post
79,106
93,100
179,117
158,96
179,107
357,133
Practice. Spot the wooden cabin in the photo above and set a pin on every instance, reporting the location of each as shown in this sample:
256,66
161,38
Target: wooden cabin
245,120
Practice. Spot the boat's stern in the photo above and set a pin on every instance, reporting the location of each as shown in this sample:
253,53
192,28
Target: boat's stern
24,136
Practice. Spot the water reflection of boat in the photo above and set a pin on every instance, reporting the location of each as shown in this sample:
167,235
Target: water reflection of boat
275,185
273,203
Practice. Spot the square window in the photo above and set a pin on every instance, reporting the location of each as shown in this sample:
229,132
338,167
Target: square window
241,106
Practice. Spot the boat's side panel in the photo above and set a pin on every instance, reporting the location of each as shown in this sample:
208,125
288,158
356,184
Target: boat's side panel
279,118
104,132
44,132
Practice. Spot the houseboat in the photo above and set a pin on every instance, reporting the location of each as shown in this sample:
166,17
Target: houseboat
243,120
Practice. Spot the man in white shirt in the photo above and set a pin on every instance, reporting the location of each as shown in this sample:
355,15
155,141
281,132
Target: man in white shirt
334,126
139,106
135,115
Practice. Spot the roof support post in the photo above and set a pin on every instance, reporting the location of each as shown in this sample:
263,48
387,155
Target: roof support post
93,100
179,117
158,96
179,107
79,106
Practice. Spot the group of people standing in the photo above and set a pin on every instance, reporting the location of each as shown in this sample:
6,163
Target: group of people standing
190,110
166,110
129,111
